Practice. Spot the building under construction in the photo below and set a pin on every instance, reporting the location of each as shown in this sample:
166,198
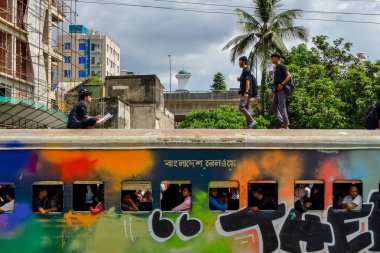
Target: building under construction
31,84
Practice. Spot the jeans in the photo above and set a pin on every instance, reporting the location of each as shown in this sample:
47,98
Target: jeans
279,107
244,108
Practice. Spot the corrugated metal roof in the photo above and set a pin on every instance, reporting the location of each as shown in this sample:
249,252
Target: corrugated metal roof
20,113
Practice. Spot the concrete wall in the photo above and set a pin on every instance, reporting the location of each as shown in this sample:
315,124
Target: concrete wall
144,94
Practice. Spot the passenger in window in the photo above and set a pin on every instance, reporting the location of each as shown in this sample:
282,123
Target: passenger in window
185,206
262,202
129,202
353,201
56,201
9,204
300,202
97,204
170,197
215,203
39,203
317,198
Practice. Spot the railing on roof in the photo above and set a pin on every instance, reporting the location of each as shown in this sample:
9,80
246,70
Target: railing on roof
202,95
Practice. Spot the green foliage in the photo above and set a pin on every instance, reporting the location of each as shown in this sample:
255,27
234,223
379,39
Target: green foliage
224,117
264,31
94,79
219,83
333,88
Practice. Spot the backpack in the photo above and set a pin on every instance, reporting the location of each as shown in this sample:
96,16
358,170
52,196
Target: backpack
254,89
289,87
371,120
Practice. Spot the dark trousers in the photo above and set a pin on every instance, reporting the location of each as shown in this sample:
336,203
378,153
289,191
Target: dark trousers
279,107
82,124
244,108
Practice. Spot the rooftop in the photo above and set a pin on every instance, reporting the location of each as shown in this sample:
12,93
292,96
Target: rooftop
329,140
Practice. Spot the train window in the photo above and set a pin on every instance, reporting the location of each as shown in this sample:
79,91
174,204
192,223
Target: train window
47,197
7,197
136,196
88,196
309,195
262,195
176,196
348,195
223,195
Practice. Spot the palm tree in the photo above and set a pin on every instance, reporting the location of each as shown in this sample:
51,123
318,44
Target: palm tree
264,33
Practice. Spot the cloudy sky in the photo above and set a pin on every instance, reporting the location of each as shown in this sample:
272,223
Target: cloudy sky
195,40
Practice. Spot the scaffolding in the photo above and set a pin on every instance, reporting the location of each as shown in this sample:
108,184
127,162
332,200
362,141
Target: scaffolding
31,79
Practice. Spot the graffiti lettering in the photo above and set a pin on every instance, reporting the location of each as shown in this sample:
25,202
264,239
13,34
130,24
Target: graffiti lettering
310,230
245,220
374,220
162,229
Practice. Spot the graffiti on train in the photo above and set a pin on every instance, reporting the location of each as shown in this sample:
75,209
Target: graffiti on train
288,231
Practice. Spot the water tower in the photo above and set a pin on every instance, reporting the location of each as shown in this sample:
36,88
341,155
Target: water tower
183,77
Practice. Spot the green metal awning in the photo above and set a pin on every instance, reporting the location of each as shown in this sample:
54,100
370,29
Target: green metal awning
23,113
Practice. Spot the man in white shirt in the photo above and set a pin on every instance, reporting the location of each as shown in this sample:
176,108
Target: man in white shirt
10,205
352,202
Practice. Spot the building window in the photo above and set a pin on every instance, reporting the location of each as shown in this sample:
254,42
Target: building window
82,73
93,73
176,196
48,197
107,61
92,60
223,195
348,195
82,46
262,195
67,45
94,47
309,195
7,197
67,73
67,59
136,196
82,60
108,48
88,196
118,69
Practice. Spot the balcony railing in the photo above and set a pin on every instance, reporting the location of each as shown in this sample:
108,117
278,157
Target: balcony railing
202,95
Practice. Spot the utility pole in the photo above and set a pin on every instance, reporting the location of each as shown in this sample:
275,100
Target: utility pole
170,68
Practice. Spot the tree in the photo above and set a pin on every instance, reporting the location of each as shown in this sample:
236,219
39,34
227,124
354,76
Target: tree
333,88
224,117
219,83
264,32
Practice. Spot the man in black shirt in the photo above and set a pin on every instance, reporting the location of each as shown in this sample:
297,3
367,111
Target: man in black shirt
78,117
281,78
262,202
245,91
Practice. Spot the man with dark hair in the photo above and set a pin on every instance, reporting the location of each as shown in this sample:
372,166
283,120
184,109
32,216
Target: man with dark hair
78,117
245,91
39,203
281,78
262,202
9,206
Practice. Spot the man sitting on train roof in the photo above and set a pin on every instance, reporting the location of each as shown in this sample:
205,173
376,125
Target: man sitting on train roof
262,202
39,203
78,117
353,201
10,202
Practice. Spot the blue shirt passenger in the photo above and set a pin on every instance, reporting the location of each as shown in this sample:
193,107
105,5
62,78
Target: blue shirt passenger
214,203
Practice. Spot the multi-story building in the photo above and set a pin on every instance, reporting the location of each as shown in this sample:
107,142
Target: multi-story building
88,53
28,61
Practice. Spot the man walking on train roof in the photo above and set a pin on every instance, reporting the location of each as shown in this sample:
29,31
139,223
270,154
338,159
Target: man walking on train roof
247,90
281,78
78,117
